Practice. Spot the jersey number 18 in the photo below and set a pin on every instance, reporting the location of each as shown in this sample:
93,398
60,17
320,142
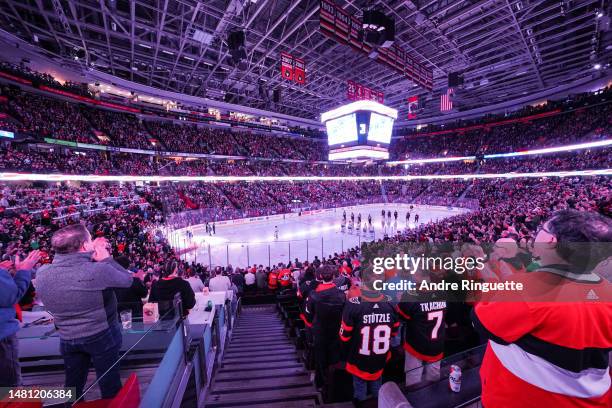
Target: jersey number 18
380,340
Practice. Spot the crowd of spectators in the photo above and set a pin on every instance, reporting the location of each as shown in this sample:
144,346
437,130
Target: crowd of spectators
49,117
44,116
41,78
574,126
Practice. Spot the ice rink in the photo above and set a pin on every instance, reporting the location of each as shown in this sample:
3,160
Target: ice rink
319,233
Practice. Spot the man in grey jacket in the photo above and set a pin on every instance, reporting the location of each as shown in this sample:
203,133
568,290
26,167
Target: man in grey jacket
77,290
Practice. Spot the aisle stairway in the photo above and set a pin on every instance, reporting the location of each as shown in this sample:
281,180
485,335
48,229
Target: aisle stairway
261,367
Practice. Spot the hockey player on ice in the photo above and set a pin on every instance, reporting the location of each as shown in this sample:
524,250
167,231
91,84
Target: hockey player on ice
276,232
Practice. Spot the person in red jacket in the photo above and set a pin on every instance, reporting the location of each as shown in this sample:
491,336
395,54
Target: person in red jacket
273,280
284,278
548,346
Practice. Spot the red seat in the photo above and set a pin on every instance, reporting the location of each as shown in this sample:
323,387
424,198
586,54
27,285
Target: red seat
128,397
4,404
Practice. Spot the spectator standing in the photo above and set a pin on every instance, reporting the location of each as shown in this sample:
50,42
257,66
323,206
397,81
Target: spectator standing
424,334
262,279
12,288
131,298
76,288
249,281
323,313
368,324
238,281
219,283
553,352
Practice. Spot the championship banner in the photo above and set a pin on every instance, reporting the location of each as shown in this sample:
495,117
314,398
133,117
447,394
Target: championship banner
334,22
327,16
413,107
351,88
299,71
287,66
358,92
343,26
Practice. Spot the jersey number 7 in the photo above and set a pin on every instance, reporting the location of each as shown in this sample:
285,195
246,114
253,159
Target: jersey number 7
438,314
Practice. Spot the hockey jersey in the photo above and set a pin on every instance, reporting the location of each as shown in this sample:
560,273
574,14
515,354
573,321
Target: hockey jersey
368,323
424,328
323,311
273,280
284,278
548,353
343,283
306,287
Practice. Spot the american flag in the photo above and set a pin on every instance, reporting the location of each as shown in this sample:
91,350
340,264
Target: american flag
446,103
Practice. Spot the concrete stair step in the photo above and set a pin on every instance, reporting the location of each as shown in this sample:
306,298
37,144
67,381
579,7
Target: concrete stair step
285,404
261,384
260,343
257,347
260,359
259,366
251,398
256,336
255,353
270,373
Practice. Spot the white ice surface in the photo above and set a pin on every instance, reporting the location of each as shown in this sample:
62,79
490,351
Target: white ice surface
300,237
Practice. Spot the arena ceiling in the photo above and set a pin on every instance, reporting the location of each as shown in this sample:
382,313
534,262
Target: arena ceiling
505,48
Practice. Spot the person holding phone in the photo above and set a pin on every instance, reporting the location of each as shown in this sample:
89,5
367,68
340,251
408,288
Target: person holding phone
15,277
77,289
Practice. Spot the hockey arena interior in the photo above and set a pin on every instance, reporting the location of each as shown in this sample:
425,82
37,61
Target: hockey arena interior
305,203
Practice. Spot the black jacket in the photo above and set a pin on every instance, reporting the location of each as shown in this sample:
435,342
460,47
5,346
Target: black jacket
131,298
163,292
323,312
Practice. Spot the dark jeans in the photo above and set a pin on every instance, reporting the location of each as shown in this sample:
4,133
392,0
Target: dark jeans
103,350
325,354
361,388
10,371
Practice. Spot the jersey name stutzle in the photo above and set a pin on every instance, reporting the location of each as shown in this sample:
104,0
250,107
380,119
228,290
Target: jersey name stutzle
377,318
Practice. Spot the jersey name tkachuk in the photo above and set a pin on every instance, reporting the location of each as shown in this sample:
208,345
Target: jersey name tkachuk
424,329
368,323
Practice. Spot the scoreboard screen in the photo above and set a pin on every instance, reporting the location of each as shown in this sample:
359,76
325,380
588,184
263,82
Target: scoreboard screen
359,130
381,128
342,130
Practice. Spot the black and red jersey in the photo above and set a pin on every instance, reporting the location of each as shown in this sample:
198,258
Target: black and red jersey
323,311
306,287
550,352
424,328
343,283
368,323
